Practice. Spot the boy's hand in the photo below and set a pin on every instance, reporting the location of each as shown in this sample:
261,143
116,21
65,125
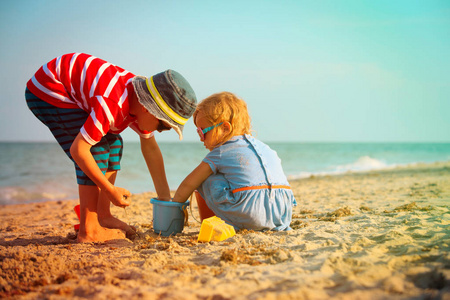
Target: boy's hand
119,197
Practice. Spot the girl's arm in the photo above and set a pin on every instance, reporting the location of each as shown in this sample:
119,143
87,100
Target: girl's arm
155,163
192,182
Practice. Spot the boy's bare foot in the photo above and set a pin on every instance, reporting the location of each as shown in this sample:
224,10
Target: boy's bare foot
114,223
99,234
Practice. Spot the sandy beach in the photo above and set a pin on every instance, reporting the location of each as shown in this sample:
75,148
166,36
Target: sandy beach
376,235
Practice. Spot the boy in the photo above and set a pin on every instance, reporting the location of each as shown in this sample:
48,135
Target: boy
86,102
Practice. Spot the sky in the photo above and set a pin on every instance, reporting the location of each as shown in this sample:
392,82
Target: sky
310,71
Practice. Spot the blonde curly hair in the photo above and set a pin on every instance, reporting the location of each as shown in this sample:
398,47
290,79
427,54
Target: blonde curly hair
225,107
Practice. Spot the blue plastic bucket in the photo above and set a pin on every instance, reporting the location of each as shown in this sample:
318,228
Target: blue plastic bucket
168,217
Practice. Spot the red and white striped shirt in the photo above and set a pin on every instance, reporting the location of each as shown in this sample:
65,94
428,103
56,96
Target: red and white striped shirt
79,80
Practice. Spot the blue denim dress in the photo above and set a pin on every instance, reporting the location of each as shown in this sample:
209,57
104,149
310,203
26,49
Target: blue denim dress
248,188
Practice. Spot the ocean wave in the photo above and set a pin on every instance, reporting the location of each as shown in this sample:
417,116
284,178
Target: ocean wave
20,195
362,164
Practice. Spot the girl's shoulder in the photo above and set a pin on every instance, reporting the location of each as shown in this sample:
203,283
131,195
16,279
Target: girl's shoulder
244,141
255,142
234,144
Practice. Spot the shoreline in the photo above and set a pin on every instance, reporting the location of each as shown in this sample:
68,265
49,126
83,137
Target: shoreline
359,235
393,167
291,178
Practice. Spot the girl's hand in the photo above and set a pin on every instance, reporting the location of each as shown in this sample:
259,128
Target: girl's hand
119,197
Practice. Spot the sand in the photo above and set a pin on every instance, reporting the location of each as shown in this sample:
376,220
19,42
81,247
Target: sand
375,235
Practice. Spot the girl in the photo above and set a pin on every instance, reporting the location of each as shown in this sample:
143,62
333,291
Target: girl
241,178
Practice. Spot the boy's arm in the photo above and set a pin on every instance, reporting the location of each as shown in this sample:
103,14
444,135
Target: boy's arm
192,182
81,153
155,163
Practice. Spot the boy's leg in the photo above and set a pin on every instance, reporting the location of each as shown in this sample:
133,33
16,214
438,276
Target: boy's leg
105,217
108,153
90,228
65,125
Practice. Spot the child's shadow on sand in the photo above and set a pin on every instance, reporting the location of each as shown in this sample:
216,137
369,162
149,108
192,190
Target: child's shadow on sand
47,240
60,240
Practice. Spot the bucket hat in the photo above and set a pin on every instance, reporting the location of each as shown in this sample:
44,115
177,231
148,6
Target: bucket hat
168,96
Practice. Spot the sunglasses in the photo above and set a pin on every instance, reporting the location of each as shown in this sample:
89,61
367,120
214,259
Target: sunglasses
162,126
202,132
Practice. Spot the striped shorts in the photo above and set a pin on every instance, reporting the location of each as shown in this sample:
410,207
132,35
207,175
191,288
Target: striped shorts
65,125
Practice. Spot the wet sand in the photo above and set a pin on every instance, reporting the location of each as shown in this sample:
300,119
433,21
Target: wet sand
377,235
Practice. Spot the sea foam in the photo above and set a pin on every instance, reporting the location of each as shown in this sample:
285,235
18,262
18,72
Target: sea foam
362,164
20,195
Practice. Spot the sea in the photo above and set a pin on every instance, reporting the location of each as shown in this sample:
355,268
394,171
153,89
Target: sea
35,172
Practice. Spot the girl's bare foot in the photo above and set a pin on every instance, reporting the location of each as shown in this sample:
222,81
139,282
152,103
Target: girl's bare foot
99,234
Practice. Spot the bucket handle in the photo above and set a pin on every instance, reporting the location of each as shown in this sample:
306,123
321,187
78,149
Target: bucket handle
190,207
186,215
